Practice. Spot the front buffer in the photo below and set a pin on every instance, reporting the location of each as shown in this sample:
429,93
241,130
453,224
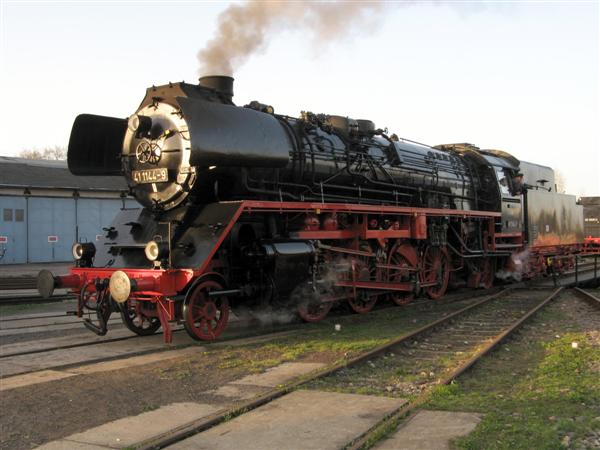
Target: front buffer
147,299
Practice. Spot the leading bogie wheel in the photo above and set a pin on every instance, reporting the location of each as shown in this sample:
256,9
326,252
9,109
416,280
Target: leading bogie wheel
135,320
309,305
205,316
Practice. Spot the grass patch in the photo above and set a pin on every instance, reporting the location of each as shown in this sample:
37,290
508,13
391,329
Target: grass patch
321,343
537,391
359,333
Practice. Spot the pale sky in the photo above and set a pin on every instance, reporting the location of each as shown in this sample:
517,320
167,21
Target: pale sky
518,76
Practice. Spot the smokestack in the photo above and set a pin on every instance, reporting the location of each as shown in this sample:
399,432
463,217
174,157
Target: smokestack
220,83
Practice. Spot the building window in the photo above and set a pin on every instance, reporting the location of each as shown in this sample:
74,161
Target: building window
8,215
19,215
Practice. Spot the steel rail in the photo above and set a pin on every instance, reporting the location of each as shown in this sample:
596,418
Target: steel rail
180,433
31,300
239,335
224,341
588,297
362,441
26,317
27,282
76,345
49,326
448,299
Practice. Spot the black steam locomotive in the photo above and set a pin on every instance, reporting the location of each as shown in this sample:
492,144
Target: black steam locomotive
247,209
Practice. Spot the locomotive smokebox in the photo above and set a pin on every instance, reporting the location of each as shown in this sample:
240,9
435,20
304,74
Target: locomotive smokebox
220,83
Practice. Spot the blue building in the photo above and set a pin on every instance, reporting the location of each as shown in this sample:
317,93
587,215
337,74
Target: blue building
44,209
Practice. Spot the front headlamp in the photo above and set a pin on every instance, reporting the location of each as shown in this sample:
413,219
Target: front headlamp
83,250
156,250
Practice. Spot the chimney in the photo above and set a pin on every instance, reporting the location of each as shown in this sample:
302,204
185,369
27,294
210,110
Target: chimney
220,83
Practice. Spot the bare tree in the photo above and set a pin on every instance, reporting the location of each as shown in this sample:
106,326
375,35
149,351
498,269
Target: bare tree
54,153
561,182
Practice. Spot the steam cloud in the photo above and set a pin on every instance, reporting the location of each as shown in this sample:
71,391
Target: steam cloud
244,29
518,267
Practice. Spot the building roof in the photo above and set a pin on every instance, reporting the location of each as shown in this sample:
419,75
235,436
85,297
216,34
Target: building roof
31,173
592,201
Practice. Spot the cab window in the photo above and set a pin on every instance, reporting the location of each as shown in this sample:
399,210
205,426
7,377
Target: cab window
503,181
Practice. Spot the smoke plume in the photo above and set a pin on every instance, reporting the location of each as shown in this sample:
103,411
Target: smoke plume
245,29
516,268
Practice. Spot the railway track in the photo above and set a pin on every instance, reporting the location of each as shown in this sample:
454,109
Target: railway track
420,350
471,332
26,283
33,299
241,332
16,283
485,329
12,354
13,324
16,325
588,297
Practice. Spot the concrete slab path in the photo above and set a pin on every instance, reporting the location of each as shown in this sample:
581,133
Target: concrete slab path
56,358
84,337
302,420
431,430
26,370
277,375
254,384
44,376
70,445
133,430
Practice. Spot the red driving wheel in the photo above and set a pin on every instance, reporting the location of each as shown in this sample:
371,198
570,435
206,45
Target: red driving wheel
362,303
404,257
310,307
436,269
205,316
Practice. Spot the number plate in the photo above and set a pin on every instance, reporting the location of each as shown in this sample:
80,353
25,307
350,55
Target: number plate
150,176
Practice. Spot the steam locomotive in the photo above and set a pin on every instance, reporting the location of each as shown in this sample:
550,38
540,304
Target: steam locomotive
244,209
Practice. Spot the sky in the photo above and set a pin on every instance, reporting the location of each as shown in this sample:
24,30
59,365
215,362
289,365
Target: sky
513,75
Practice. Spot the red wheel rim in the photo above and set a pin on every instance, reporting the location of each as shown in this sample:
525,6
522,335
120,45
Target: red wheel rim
310,306
401,257
137,321
436,268
363,303
205,316
313,311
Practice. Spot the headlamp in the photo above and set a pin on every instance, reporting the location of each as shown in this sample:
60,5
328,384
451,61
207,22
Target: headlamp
83,250
156,250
